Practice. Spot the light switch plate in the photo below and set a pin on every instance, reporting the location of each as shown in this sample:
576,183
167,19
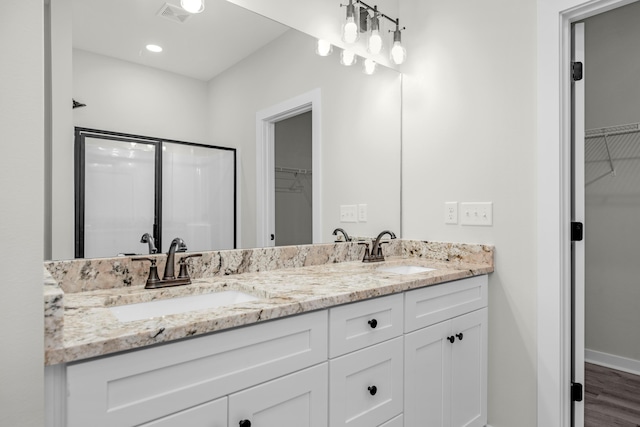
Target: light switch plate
348,213
480,213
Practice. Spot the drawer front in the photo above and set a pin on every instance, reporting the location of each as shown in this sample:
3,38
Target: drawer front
433,304
396,422
210,414
353,400
295,400
355,326
136,387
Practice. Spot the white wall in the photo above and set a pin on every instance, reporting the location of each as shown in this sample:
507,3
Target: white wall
21,213
612,239
469,135
360,129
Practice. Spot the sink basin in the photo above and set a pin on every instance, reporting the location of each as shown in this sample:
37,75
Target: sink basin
157,308
405,269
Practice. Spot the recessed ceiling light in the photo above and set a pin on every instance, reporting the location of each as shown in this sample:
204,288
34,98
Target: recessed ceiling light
154,48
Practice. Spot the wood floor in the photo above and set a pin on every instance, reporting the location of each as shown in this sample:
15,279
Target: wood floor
612,398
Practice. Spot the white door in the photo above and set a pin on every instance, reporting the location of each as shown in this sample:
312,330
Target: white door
469,370
577,216
427,388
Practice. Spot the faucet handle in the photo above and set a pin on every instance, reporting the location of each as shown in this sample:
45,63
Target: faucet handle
153,278
367,255
184,272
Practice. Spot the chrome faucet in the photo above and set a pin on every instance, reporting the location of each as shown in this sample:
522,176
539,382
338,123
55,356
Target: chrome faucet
148,238
344,233
177,245
376,254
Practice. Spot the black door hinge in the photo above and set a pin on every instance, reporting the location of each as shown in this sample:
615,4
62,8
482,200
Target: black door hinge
576,71
576,392
576,231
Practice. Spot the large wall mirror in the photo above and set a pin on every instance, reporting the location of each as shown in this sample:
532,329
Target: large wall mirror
219,72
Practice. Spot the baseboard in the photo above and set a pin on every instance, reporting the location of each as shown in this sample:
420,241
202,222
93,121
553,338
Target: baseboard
620,363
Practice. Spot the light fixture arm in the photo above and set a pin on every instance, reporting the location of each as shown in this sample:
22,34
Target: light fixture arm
376,12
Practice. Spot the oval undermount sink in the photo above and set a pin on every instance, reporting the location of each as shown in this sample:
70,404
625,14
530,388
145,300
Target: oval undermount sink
157,308
405,269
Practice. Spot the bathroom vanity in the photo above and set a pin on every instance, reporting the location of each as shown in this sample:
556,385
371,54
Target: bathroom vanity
332,344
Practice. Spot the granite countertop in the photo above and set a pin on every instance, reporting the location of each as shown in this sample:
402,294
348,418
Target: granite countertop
80,325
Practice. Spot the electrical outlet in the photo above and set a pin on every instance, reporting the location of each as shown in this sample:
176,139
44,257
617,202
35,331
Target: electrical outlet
348,213
362,213
476,213
450,212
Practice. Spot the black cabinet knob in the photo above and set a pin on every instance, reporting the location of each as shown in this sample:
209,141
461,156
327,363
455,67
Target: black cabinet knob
373,323
245,423
451,339
459,336
372,390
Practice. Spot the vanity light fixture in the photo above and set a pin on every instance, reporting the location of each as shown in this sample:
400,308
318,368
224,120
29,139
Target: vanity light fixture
324,48
371,23
192,6
154,48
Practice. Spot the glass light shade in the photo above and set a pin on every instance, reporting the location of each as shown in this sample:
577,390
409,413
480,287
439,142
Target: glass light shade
192,6
375,42
369,66
324,48
154,48
398,53
350,31
347,57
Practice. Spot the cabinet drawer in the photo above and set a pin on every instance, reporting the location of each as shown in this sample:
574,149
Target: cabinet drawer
433,304
296,400
143,385
353,400
396,422
358,325
210,414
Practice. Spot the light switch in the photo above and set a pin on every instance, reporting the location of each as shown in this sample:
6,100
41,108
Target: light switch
480,213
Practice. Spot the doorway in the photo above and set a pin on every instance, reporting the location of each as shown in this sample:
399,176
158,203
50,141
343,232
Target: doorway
293,181
611,210
266,122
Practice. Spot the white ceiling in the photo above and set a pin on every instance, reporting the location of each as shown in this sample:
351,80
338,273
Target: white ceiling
201,47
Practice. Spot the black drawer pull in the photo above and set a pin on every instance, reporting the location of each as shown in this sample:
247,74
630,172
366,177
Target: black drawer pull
372,390
373,323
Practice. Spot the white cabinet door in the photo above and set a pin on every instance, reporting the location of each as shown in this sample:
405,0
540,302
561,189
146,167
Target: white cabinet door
469,370
296,400
446,373
427,364
210,414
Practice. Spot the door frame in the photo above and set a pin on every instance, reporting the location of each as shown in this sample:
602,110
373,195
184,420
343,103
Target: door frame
554,202
265,166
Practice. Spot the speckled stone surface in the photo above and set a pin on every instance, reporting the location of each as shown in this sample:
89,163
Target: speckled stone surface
286,281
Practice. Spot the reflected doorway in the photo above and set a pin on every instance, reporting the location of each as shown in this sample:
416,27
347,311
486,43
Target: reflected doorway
293,181
305,111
